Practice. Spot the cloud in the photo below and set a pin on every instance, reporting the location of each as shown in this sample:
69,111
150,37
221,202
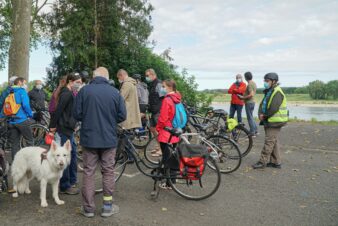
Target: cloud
235,36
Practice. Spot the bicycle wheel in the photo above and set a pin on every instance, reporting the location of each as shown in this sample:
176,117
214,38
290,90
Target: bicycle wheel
228,156
141,138
243,139
152,152
39,132
121,159
193,189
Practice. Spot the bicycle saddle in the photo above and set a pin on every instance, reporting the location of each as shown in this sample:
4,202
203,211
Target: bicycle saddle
174,131
220,112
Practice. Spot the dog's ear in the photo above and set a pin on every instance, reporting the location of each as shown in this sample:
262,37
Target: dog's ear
68,145
53,146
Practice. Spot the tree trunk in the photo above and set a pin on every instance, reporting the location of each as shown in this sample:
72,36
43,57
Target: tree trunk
18,62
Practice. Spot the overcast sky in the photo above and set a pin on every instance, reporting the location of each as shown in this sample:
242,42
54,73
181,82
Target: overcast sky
216,39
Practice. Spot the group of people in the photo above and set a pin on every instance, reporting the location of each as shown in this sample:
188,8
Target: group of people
272,113
100,108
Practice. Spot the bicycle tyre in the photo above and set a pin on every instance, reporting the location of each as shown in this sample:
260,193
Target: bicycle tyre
244,142
120,164
140,141
184,188
39,132
149,149
229,157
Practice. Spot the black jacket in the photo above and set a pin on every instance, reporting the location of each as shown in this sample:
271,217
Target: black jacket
63,119
37,98
155,100
100,107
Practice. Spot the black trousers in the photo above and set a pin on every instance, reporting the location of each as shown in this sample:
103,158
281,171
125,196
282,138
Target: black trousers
15,133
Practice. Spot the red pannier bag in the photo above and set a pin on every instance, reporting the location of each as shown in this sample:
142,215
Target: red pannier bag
193,158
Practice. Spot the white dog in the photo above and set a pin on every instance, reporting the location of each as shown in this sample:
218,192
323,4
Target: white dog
47,167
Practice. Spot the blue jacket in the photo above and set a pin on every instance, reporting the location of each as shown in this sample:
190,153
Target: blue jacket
21,97
100,108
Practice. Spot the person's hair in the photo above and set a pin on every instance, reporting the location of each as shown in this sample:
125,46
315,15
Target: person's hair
248,75
101,72
151,71
122,72
19,79
170,83
58,89
72,77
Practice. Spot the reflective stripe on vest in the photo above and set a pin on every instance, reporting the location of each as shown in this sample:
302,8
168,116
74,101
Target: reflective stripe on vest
282,115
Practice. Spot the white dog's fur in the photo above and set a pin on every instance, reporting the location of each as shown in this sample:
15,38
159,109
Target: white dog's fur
27,165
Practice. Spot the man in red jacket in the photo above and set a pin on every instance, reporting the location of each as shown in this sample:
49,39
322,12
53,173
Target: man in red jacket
237,91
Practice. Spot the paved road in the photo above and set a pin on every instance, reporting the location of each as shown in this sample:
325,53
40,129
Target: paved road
304,192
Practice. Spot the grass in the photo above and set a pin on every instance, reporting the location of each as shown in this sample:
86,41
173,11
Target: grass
294,98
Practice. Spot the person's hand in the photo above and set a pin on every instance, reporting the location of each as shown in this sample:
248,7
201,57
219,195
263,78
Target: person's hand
52,130
261,117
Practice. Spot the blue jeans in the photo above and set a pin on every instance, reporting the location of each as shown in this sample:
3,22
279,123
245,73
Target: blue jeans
236,108
249,108
69,177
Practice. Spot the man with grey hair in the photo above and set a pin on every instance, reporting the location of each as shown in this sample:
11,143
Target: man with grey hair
7,90
37,96
100,108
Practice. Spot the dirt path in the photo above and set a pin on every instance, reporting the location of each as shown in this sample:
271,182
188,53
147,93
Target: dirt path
304,192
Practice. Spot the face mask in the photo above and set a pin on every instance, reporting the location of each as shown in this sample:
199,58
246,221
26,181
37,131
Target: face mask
239,80
24,86
266,85
163,91
148,79
120,81
76,86
38,87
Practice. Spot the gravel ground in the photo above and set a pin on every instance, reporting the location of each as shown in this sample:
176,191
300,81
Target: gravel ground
303,192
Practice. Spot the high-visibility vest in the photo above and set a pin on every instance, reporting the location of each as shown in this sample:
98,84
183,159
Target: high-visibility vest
282,115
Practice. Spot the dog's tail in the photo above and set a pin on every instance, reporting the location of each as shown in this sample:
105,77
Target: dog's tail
19,170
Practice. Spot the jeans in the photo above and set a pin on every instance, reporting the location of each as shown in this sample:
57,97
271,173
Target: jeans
18,130
69,177
249,108
236,108
106,158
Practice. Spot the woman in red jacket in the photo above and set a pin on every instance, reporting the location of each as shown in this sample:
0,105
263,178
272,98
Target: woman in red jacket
237,91
165,119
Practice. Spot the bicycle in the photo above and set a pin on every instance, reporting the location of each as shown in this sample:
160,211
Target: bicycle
228,154
39,132
208,183
142,135
5,147
217,121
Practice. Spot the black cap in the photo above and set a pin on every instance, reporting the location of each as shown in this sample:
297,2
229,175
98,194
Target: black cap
271,76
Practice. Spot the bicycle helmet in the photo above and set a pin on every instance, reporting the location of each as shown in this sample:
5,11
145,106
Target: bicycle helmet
271,76
137,76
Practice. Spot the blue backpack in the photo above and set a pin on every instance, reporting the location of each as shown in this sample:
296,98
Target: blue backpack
180,119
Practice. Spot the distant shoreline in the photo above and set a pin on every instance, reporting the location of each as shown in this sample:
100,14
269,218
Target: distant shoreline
298,104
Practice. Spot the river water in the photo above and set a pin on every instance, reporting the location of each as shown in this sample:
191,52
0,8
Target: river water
320,113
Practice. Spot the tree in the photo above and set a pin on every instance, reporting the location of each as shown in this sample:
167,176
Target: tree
18,62
21,26
332,89
317,90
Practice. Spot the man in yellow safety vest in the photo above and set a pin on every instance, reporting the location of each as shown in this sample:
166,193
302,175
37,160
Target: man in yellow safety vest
273,114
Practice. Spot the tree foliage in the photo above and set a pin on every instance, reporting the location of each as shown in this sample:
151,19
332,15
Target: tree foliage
114,34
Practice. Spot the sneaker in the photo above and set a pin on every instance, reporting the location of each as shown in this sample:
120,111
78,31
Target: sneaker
85,213
274,165
259,165
71,191
109,210
165,186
